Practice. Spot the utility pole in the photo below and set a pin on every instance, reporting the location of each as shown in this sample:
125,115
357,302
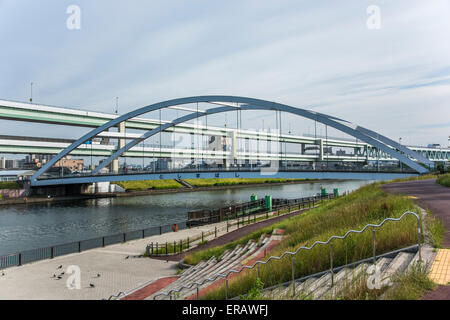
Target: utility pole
117,106
31,94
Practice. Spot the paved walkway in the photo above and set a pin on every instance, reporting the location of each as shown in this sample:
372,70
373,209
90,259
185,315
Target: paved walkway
436,198
440,270
430,195
119,269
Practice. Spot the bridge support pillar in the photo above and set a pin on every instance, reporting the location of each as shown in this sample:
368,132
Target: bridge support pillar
320,143
115,162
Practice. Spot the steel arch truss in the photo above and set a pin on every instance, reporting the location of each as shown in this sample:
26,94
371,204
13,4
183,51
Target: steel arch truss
232,103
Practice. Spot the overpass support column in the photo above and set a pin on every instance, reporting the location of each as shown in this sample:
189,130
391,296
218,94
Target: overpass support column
320,143
234,146
115,163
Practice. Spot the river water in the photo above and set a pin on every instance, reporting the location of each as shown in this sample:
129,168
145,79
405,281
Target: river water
24,227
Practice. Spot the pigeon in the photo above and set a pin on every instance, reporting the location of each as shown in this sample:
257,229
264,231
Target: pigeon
60,267
127,257
3,273
98,275
54,276
91,285
62,273
59,277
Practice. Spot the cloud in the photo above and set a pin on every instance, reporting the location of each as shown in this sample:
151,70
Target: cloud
317,55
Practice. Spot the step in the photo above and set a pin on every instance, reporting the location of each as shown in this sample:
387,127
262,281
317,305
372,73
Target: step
317,284
398,264
188,279
427,257
223,254
212,262
326,288
303,288
349,281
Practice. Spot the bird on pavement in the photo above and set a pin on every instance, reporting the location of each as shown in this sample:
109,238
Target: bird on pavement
91,285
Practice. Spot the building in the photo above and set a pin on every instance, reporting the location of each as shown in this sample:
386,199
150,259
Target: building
15,175
72,164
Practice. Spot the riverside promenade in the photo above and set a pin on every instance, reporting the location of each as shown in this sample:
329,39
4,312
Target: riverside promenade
431,196
112,269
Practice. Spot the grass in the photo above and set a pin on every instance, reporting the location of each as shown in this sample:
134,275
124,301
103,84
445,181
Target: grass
419,177
234,181
172,184
369,204
9,185
435,229
444,180
411,285
149,184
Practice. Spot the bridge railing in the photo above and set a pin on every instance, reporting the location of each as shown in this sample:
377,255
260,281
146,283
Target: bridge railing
236,170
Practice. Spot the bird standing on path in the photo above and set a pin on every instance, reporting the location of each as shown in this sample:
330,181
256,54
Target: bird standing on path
91,285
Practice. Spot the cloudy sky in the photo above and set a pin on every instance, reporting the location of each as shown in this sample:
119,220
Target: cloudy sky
320,55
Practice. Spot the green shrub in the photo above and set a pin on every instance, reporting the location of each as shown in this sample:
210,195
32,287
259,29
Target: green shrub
9,185
149,184
444,180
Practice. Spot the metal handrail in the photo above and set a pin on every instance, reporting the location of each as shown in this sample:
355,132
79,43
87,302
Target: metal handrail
115,296
257,263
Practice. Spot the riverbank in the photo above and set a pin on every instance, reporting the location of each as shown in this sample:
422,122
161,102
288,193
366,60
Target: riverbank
36,199
112,269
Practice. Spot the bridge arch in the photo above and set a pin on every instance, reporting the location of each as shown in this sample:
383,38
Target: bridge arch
242,103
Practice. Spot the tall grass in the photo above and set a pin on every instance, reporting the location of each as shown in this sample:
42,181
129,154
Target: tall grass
149,184
233,181
414,178
172,184
369,204
411,285
444,180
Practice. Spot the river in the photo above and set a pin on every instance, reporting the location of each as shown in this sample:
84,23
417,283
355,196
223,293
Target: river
24,227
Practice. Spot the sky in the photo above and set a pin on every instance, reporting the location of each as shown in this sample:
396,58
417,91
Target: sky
318,55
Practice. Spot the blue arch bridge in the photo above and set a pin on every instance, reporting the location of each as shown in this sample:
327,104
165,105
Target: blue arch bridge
375,157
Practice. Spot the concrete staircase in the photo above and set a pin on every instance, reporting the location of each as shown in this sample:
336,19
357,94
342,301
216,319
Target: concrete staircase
184,183
319,287
230,259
